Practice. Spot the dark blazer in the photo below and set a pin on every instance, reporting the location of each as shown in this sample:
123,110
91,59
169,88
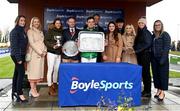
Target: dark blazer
143,40
50,41
99,28
161,46
160,60
19,41
67,37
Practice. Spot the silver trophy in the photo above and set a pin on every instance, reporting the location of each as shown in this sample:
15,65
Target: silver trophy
91,41
70,48
58,40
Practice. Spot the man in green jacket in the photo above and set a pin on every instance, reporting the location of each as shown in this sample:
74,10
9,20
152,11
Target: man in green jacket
89,56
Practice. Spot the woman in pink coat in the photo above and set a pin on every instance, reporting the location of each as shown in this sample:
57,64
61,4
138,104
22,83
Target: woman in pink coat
37,51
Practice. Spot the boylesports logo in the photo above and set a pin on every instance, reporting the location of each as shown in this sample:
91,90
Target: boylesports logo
93,84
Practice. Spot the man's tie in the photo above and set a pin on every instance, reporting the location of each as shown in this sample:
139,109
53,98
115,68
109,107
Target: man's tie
72,32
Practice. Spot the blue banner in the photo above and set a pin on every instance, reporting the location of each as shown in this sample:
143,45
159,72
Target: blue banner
85,83
81,14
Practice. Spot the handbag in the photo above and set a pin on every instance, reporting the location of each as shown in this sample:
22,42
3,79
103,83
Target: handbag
28,54
28,57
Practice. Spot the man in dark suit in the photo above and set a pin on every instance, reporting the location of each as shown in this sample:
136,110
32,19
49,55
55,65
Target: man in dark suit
97,18
120,25
70,34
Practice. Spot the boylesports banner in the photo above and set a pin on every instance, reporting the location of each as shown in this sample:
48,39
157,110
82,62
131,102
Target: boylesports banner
85,83
81,15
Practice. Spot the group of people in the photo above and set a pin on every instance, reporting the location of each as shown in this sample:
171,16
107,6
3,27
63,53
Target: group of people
122,44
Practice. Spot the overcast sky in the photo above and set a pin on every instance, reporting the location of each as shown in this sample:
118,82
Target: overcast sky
8,13
167,11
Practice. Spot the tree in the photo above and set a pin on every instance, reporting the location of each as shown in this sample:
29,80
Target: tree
0,35
173,47
5,35
178,45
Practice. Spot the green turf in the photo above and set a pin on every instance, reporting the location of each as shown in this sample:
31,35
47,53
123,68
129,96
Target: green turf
173,74
6,67
174,60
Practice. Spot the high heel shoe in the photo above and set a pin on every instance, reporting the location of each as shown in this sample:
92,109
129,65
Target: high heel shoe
33,95
161,99
20,100
157,93
156,96
13,96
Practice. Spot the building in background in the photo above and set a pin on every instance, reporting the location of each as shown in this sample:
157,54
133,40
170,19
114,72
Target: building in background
133,9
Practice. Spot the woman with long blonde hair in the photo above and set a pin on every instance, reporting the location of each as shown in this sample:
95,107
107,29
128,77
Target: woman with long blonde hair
37,51
128,54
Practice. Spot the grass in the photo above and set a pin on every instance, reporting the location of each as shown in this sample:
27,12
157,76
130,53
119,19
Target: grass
175,53
6,67
174,59
173,74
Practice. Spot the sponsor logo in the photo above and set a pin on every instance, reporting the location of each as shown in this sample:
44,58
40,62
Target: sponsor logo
103,85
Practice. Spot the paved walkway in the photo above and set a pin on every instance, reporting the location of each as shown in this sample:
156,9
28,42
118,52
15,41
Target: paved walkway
49,103
5,83
174,67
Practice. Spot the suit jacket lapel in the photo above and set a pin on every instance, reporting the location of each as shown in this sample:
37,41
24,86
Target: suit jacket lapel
69,34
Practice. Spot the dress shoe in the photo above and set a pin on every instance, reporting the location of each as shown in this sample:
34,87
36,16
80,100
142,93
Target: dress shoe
52,91
35,95
161,99
156,96
21,100
14,96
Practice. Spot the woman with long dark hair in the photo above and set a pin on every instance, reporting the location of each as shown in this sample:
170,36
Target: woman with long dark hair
113,49
160,59
53,55
18,40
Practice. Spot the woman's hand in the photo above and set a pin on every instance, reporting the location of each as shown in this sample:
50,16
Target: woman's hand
43,54
105,57
124,48
55,46
118,59
19,62
106,42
